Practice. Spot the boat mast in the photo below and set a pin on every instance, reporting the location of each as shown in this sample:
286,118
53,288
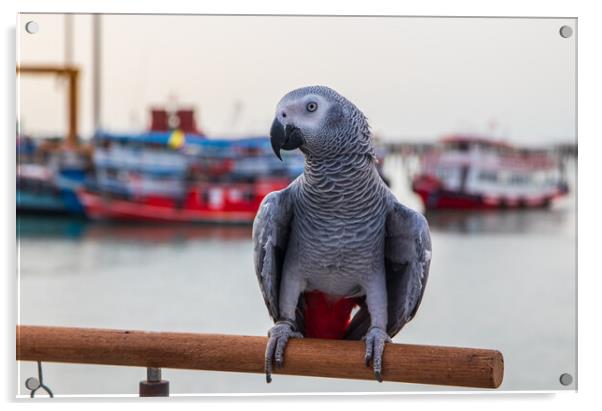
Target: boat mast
96,71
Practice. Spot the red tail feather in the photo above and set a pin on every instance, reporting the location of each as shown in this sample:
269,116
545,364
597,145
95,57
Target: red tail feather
327,316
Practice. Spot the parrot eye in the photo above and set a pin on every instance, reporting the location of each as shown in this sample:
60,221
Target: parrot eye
311,106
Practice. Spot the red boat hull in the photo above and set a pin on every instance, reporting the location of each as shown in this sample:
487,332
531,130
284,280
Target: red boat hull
196,208
434,197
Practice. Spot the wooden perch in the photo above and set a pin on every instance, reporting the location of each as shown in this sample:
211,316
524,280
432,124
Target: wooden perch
419,364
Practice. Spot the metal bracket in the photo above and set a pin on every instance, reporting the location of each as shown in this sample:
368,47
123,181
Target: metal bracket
33,384
154,386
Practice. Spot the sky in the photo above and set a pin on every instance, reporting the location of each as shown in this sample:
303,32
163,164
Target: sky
416,79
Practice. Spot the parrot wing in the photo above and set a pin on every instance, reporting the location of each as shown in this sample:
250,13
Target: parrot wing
407,262
270,238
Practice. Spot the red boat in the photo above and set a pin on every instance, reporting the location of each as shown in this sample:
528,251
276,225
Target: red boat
178,175
466,172
234,203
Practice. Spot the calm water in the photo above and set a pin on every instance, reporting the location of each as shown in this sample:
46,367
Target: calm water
498,280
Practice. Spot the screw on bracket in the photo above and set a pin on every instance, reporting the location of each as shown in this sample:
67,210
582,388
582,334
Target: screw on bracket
33,384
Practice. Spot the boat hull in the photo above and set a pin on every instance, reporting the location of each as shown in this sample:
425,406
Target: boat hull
40,202
218,204
99,207
435,197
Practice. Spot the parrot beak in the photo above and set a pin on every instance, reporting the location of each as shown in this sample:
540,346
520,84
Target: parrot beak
287,138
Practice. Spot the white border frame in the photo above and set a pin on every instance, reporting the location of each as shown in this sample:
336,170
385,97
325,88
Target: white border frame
589,74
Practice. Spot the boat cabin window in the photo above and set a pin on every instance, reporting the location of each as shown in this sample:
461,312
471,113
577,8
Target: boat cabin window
520,179
461,146
488,175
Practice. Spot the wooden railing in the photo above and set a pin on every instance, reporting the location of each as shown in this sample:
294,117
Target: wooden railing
421,364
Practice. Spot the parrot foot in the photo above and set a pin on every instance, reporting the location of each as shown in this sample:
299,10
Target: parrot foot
278,337
375,345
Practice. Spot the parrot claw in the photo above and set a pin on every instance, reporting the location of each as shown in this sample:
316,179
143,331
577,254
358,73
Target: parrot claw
375,340
278,335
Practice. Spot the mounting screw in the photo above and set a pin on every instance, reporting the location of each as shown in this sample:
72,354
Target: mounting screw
32,27
566,31
566,379
32,384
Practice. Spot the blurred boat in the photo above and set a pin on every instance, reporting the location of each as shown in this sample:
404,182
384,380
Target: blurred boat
183,177
48,175
170,173
36,190
466,172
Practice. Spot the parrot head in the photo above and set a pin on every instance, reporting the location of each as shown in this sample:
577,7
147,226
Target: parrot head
321,123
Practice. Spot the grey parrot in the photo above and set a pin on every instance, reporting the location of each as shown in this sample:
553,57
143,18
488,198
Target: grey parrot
336,239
